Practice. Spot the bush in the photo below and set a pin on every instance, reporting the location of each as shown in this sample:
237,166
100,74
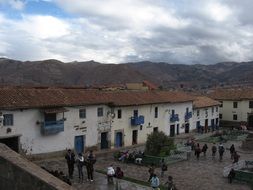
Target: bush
159,144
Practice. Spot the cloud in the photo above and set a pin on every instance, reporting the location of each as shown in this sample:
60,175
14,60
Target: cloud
15,4
112,31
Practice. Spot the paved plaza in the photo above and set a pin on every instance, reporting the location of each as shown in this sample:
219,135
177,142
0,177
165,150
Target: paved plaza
202,174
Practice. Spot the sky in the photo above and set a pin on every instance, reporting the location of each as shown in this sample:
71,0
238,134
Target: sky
120,31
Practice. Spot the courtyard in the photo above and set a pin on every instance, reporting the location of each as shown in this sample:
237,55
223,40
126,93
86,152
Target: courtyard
192,174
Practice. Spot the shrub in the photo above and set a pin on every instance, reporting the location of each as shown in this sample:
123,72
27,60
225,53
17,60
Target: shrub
159,144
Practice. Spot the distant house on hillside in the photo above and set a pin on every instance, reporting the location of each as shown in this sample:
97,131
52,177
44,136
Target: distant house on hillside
236,107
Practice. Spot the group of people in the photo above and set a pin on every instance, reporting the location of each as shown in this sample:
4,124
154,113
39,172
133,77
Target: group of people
154,180
214,149
80,162
111,173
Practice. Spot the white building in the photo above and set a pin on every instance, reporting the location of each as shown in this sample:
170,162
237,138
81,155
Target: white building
44,120
205,114
236,107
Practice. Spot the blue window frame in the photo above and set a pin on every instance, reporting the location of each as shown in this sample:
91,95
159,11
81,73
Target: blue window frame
8,120
156,112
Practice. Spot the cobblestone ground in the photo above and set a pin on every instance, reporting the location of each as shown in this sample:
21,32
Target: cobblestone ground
202,174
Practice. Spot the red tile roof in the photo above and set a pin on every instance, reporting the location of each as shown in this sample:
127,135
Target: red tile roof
13,98
203,102
232,94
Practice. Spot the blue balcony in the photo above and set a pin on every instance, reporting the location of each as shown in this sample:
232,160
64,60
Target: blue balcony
174,118
52,127
139,120
188,115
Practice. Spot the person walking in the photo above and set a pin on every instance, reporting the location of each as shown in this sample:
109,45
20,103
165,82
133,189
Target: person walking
221,151
231,175
80,164
232,151
236,157
91,160
214,150
170,183
119,174
163,167
110,174
151,172
204,149
197,151
155,182
70,158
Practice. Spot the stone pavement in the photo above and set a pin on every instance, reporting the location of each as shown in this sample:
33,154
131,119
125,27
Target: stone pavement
203,174
100,180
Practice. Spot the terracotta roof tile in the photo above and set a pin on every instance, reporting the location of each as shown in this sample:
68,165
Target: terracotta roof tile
13,98
232,94
203,101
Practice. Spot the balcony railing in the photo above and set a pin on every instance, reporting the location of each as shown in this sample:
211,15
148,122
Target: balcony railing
174,118
137,120
52,127
188,115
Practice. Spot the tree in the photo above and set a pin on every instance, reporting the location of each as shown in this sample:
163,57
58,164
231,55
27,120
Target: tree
159,144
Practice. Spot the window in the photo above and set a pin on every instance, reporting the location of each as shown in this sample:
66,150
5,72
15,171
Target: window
187,110
250,104
235,105
82,113
197,112
235,117
135,113
100,112
119,114
217,108
221,104
212,110
172,112
220,116
8,119
156,112
206,112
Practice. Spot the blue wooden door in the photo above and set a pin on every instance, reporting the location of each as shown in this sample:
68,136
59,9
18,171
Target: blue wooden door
119,139
104,141
79,144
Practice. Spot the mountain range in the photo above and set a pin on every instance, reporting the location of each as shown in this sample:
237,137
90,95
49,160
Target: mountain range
56,73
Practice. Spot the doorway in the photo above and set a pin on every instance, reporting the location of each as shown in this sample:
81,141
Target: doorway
155,129
119,139
177,129
79,144
104,140
250,122
187,128
135,137
12,143
206,125
172,130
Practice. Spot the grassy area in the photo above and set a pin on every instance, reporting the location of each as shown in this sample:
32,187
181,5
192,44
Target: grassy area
137,181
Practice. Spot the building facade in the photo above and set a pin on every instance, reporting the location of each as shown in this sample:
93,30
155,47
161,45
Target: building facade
236,108
205,114
37,121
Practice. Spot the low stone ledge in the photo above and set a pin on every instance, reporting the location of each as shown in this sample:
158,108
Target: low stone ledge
17,173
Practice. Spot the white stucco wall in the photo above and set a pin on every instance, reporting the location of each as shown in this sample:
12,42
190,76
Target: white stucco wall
242,110
150,122
33,142
203,116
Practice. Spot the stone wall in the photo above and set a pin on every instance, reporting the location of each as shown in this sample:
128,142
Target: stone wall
18,173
